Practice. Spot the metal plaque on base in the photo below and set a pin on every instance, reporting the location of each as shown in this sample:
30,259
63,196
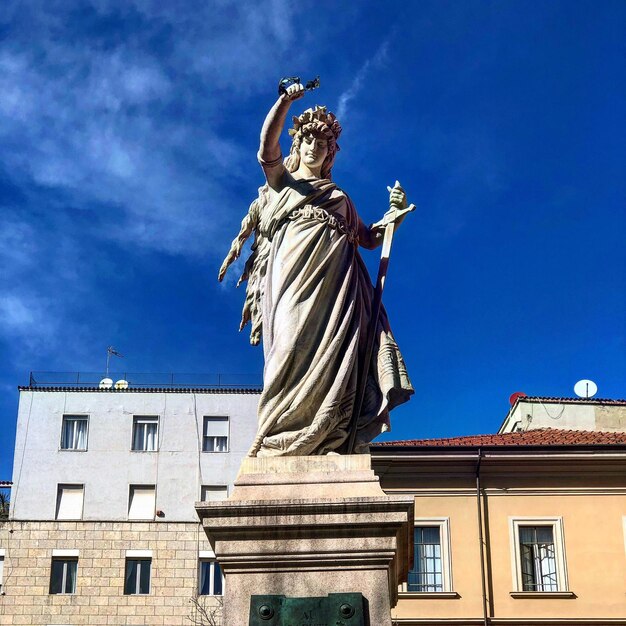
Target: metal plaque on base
336,609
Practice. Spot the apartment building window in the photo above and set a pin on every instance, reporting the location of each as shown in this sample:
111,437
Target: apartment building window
213,492
539,555
210,578
141,502
1,570
63,575
74,432
215,437
145,433
69,502
431,571
137,576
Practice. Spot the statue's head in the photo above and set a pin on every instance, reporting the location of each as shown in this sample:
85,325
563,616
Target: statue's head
319,123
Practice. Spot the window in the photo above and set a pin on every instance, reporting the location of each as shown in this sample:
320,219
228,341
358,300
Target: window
74,432
427,574
210,578
141,502
213,492
1,569
538,555
145,433
69,502
431,571
63,575
215,434
137,576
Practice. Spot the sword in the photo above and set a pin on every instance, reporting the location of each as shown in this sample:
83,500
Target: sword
389,222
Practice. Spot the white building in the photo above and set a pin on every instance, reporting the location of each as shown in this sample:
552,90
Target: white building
102,519
591,414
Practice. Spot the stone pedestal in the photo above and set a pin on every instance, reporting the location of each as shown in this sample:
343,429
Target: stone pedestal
310,526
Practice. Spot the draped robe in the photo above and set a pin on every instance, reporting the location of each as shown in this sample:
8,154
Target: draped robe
315,302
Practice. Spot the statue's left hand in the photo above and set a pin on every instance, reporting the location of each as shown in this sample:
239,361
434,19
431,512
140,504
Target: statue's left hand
398,208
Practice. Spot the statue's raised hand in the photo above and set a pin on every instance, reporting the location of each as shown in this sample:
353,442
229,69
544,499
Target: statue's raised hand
293,92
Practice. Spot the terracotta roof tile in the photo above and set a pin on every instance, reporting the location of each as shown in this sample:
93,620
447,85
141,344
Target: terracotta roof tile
537,437
571,400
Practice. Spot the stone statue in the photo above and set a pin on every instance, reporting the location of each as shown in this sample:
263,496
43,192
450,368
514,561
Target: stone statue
309,296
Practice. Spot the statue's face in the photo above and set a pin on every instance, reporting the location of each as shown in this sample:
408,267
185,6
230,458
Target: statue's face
313,150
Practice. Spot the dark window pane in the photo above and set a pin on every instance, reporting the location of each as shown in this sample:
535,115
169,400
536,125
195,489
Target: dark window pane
56,577
205,578
217,579
130,579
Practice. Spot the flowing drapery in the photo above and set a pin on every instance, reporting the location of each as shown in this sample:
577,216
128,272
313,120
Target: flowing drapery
316,298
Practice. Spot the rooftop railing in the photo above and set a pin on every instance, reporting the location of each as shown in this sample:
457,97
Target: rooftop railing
140,380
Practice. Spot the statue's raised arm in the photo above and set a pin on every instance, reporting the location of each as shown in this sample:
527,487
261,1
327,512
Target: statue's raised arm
270,156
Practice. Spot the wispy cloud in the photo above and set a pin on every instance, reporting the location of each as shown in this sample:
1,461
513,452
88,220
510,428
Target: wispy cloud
120,123
373,63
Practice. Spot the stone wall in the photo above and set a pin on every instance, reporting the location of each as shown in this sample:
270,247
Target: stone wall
99,598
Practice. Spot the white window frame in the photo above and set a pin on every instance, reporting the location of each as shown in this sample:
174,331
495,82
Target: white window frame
212,560
221,488
559,553
446,562
221,418
74,417
139,558
69,487
65,560
145,419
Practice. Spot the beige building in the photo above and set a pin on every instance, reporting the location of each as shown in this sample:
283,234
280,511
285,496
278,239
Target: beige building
510,529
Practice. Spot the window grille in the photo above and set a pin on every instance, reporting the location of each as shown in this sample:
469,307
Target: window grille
63,576
211,579
145,433
215,437
74,432
427,574
538,558
137,577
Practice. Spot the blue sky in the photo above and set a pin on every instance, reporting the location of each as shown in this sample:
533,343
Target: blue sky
128,134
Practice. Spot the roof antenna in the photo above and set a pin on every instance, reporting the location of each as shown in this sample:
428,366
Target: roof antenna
585,388
112,351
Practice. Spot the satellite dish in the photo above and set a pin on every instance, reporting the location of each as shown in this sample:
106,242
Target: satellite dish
106,383
515,396
585,388
121,384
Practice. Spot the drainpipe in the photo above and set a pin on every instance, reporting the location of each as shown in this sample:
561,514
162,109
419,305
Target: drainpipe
481,540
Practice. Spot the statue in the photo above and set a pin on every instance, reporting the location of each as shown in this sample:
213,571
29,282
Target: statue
309,297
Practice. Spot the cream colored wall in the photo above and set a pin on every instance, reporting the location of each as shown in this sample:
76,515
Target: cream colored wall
464,549
594,550
594,538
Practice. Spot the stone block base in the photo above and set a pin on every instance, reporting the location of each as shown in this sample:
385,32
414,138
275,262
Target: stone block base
310,526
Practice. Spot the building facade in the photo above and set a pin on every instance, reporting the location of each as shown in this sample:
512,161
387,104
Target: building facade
519,528
525,527
102,526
